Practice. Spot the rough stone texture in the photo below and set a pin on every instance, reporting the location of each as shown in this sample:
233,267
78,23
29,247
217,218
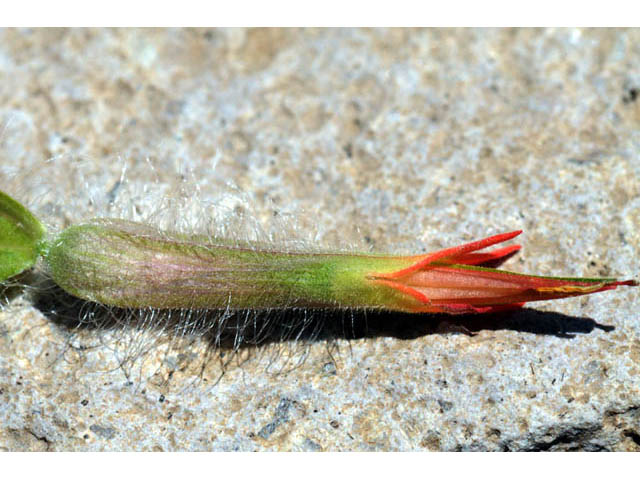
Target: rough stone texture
399,140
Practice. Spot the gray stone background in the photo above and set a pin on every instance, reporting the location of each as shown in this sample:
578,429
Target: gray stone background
390,140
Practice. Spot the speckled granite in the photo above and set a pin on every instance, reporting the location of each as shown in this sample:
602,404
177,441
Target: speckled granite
397,140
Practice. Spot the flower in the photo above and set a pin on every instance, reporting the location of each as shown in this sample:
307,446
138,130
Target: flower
133,265
456,280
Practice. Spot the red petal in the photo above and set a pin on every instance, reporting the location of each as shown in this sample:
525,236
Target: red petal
463,289
494,258
453,252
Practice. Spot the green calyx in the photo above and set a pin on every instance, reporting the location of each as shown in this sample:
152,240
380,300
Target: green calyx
21,238
131,265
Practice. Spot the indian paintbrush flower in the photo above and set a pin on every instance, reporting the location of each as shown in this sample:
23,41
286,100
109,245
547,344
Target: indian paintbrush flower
128,264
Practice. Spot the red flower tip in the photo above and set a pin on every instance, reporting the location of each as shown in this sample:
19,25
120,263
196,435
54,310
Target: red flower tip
455,280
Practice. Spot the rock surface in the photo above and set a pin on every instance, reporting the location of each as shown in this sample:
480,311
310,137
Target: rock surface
391,140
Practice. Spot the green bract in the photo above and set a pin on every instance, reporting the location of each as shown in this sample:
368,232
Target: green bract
21,238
